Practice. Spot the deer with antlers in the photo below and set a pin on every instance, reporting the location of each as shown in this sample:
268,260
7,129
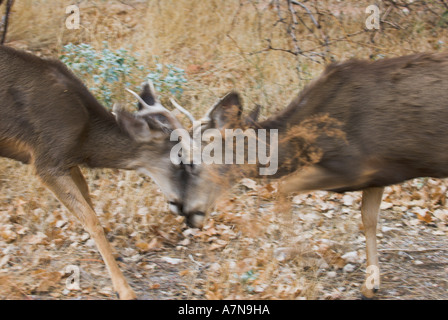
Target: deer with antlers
371,124
51,121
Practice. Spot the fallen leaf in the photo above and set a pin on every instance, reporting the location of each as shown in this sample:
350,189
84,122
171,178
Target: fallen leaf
39,238
4,260
426,218
49,280
184,272
270,187
249,183
348,200
332,257
169,260
441,214
8,235
154,286
153,245
351,257
142,246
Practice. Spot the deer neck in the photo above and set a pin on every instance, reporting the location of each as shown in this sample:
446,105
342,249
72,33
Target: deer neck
107,146
282,158
293,148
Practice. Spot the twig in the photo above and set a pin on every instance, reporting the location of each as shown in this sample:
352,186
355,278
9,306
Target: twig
396,26
444,4
127,4
292,28
9,4
192,259
91,260
331,41
16,287
307,10
414,250
270,47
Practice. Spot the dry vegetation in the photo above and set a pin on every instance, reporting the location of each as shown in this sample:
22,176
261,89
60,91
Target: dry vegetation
246,251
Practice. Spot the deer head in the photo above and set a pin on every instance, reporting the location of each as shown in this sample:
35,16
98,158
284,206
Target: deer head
150,129
205,181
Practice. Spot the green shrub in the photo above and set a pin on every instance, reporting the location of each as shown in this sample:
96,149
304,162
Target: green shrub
108,72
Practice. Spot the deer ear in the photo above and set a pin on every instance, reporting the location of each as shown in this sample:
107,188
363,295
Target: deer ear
252,118
137,127
148,95
227,112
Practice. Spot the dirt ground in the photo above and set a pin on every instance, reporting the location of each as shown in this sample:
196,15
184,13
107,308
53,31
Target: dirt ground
246,250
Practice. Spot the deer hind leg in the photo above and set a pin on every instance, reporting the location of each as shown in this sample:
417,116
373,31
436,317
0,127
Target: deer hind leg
316,178
370,208
71,189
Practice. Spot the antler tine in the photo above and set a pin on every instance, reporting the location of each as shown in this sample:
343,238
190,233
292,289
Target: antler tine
153,90
183,110
158,108
138,98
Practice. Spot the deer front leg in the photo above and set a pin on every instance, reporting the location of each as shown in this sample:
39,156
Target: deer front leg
312,178
71,189
306,180
371,201
81,183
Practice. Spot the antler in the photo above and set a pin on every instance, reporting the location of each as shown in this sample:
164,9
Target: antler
141,100
183,110
206,118
157,109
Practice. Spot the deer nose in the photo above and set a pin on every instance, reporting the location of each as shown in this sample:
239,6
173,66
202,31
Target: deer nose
195,219
175,207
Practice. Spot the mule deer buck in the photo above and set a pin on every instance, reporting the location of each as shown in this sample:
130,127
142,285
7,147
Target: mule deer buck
386,122
51,121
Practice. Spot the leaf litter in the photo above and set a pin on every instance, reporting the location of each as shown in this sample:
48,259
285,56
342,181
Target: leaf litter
245,251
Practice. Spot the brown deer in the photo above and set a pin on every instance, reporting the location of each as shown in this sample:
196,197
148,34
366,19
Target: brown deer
51,121
372,124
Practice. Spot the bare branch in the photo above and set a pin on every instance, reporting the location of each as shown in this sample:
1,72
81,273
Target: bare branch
292,27
307,10
9,4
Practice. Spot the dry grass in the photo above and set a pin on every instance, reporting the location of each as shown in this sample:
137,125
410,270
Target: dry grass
214,41
246,250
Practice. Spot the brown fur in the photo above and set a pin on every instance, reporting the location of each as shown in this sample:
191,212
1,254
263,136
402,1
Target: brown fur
39,97
361,125
394,114
50,120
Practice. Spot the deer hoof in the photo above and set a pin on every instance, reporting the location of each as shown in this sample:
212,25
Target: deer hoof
368,294
363,297
129,295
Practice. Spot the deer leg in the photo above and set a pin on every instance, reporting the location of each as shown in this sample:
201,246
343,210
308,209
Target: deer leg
316,178
81,182
312,178
71,189
307,180
370,208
